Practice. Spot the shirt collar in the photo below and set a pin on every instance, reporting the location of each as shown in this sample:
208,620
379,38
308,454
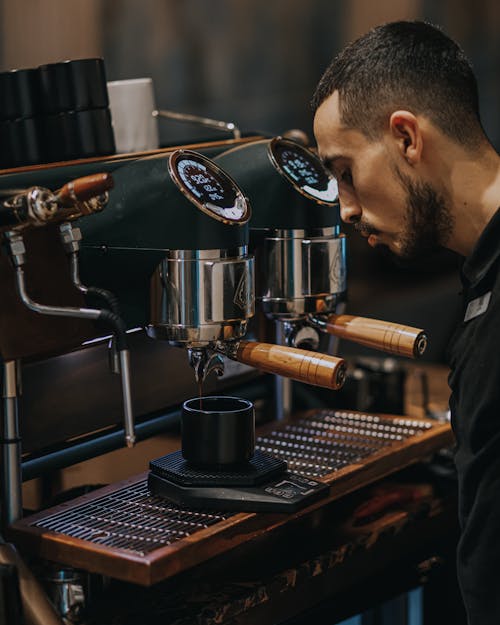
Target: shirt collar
485,252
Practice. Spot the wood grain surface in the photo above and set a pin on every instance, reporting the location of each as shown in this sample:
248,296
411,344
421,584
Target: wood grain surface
392,338
298,364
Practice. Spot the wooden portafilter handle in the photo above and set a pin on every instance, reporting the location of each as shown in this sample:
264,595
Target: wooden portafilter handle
83,189
392,338
298,364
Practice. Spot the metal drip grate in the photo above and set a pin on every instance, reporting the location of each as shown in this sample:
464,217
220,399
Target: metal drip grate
132,519
328,440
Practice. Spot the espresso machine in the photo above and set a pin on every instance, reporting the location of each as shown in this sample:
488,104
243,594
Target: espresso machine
301,254
173,246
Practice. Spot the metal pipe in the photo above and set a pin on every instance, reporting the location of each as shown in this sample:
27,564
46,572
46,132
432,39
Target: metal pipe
119,359
94,314
128,416
203,121
57,311
75,273
18,255
12,507
283,388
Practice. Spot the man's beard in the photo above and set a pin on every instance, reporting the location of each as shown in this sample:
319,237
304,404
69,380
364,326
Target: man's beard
428,221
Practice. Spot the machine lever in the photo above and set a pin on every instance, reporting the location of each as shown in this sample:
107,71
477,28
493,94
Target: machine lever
386,336
83,189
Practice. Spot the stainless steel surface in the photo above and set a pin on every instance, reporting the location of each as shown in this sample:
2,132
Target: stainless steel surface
283,388
128,415
66,588
17,251
300,274
70,237
328,440
57,311
11,496
297,334
33,207
202,121
119,360
130,519
204,361
198,298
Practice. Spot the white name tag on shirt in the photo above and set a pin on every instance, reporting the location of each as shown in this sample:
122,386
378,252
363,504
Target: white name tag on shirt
477,306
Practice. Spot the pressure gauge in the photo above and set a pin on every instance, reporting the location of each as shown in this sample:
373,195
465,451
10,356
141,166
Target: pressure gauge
209,187
304,170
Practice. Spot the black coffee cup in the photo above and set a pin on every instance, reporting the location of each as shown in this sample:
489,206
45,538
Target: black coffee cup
218,431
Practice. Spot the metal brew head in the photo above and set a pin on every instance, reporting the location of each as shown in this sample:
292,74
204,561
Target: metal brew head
180,226
295,227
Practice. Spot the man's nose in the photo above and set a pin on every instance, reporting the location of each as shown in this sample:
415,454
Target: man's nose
350,213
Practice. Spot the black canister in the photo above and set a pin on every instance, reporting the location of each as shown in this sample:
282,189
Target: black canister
218,431
78,134
77,120
73,85
20,142
19,94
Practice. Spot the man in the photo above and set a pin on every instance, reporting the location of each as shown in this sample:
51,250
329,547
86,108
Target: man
397,122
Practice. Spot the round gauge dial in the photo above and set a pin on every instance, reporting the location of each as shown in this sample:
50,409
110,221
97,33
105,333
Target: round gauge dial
209,187
304,170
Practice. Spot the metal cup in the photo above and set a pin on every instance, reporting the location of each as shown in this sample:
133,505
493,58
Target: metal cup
217,431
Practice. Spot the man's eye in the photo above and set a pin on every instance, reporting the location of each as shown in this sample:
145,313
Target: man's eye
346,176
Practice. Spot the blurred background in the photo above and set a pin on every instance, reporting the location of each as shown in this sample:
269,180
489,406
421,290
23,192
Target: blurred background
256,62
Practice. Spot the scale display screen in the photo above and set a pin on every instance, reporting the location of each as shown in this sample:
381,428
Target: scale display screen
208,186
304,170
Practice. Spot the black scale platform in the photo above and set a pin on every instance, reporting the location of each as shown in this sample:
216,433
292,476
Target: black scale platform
261,485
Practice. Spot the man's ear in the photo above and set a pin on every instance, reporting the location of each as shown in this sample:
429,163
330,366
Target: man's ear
406,132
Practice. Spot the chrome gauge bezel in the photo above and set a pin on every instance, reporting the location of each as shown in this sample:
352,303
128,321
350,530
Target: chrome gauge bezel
240,200
278,142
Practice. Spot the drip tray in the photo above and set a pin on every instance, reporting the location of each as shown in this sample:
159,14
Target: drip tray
125,532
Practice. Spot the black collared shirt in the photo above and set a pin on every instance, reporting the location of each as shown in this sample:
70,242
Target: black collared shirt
474,358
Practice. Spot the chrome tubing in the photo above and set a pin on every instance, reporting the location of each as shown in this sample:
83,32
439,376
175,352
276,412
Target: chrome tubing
202,121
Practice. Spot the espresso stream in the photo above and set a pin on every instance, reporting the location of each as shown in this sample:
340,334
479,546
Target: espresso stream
200,393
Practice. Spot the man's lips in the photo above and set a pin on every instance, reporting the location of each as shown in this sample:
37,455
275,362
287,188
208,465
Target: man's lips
372,239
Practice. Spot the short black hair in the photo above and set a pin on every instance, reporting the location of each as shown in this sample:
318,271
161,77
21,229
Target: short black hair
404,65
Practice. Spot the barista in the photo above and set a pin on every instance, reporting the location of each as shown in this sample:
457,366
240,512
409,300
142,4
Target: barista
397,122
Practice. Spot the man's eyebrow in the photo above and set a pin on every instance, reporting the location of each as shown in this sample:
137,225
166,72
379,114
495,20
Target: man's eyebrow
329,161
